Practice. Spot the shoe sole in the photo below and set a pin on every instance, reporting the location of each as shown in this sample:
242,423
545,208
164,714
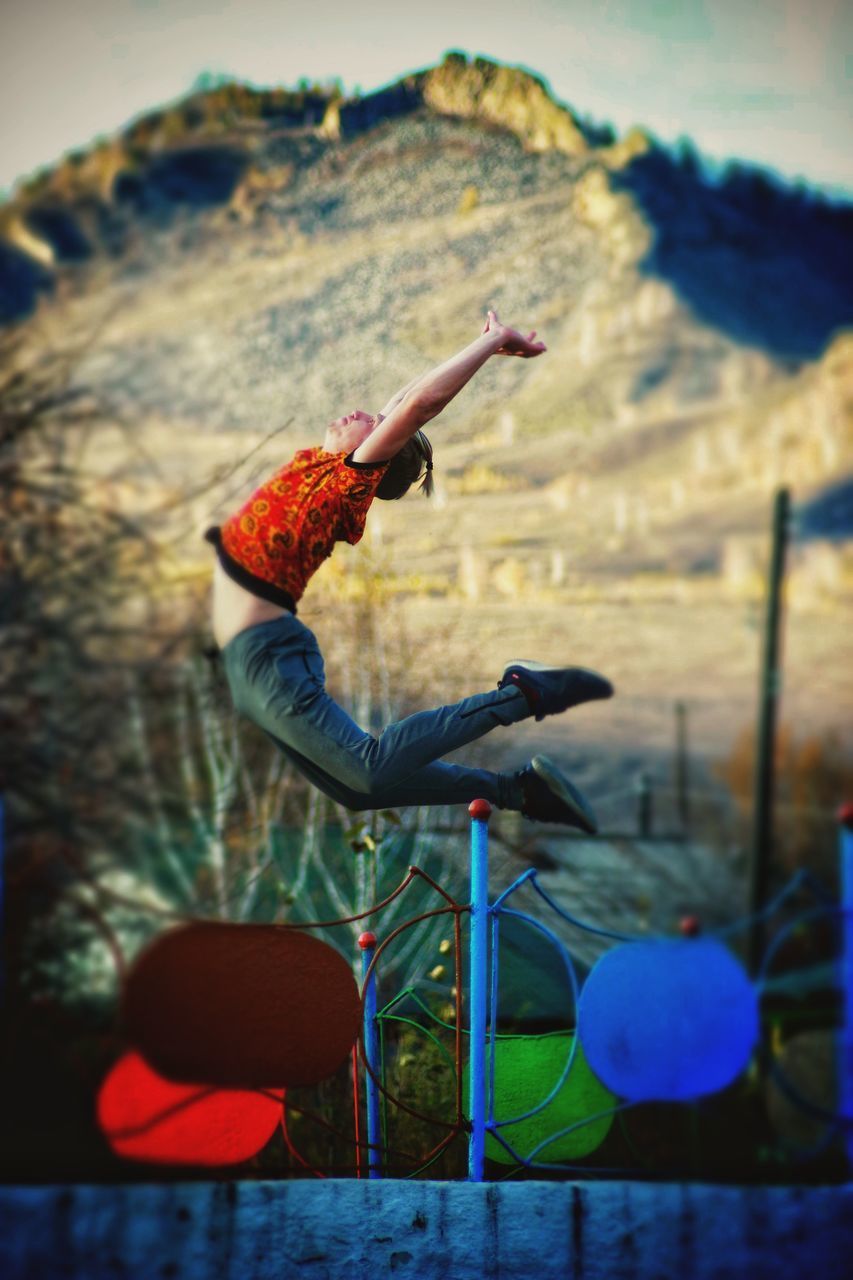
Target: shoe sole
527,665
559,785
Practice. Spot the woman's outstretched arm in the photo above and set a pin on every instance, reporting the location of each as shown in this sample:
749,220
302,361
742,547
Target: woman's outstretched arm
440,386
400,395
434,390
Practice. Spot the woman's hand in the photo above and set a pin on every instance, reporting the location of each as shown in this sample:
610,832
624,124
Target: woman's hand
513,343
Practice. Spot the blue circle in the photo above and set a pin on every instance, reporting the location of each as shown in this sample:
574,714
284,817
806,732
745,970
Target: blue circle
669,1020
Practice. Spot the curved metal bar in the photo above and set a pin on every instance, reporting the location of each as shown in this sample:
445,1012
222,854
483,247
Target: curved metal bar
797,881
570,969
436,1154
408,924
580,924
413,872
493,1005
458,1124
529,1162
587,1170
401,995
356,1108
410,991
292,1148
813,914
508,1146
529,874
578,1124
834,1119
167,1113
395,1017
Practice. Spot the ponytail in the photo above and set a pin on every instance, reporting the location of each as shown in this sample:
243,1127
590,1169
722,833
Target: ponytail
427,487
411,464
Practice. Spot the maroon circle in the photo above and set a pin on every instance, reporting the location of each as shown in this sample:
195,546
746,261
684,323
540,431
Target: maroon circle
241,1006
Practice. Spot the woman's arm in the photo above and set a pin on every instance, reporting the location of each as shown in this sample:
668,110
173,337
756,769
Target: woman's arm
399,395
444,382
434,390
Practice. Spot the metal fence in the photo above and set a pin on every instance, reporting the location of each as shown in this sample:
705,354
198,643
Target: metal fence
573,1108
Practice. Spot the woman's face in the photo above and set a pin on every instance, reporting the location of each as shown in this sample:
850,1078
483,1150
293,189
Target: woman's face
345,434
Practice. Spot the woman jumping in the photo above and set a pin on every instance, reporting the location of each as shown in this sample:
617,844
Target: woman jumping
268,550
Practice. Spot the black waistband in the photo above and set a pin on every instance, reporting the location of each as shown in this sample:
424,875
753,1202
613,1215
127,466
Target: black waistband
243,577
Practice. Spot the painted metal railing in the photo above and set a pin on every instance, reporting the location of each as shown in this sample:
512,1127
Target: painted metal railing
367,942
566,1112
480,1025
480,811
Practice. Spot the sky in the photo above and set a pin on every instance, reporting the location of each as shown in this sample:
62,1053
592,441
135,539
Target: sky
767,81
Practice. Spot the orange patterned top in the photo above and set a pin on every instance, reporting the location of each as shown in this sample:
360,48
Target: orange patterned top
290,525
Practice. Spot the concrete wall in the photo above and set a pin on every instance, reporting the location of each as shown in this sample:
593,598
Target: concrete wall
425,1230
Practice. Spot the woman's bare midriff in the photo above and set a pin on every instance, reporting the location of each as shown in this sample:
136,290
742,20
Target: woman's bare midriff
235,608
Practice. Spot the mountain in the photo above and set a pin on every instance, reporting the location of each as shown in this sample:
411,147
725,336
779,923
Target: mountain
234,146
253,260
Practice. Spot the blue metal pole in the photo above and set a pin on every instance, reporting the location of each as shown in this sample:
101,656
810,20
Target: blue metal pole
845,818
480,811
367,942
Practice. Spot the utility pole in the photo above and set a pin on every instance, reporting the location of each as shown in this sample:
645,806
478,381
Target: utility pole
769,690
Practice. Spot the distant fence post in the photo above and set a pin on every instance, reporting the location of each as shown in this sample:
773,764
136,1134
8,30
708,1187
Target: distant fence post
845,818
644,805
367,942
480,811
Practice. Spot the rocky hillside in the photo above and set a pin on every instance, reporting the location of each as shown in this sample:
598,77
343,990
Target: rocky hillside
237,147
250,262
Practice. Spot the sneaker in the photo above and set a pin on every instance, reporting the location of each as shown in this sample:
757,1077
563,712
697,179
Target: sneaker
550,797
549,690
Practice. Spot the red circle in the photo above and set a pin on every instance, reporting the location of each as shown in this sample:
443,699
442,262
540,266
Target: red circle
690,926
480,810
366,939
146,1117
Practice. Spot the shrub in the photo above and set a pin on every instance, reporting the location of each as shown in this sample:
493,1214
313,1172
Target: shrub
814,775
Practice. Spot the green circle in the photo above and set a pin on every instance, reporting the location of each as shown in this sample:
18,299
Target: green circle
526,1070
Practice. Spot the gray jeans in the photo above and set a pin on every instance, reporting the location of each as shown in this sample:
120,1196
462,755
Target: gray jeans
275,672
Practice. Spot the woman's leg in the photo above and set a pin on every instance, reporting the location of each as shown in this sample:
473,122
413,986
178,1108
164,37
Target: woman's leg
436,783
276,675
